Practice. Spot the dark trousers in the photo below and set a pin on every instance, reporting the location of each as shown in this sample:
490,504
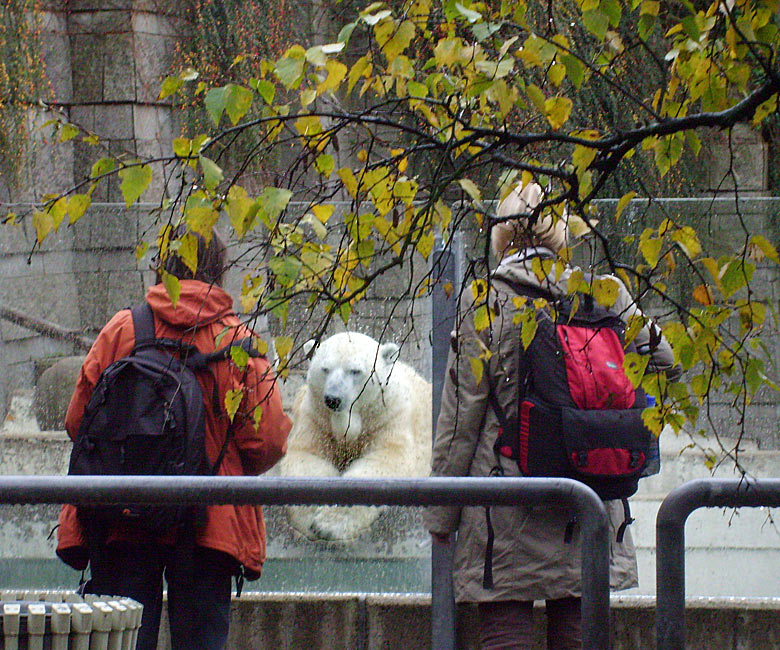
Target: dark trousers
199,585
509,625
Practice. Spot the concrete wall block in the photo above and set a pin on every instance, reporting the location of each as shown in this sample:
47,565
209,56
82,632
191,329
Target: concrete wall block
104,19
398,625
156,24
55,50
738,159
153,124
275,622
50,299
114,121
153,61
168,8
119,75
107,228
86,54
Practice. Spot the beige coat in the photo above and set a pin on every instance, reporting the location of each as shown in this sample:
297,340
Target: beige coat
531,561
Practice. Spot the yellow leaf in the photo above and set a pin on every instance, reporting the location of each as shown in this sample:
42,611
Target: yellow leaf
349,180
43,224
557,111
172,287
582,157
477,368
470,187
765,247
283,345
188,251
634,366
257,415
605,291
336,73
323,212
702,294
622,203
232,402
479,290
688,240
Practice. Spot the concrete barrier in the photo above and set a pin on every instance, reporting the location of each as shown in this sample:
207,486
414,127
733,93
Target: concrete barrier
393,621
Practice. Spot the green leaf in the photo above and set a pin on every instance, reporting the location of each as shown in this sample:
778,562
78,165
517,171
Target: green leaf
265,89
274,200
239,356
68,132
346,32
596,22
215,101
241,209
212,173
574,69
170,86
285,269
469,14
691,27
325,165
102,166
289,68
736,275
135,181
237,102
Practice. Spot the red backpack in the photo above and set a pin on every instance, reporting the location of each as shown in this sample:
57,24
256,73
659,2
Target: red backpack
578,415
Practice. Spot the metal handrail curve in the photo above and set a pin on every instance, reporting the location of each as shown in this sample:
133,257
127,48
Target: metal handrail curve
670,542
592,516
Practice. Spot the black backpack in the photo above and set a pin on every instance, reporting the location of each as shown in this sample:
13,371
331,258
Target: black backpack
146,417
578,415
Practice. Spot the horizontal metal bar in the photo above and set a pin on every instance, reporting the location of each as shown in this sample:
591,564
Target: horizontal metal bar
670,542
341,491
81,490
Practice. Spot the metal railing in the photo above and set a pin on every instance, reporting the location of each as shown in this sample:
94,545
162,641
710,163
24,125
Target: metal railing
670,542
592,516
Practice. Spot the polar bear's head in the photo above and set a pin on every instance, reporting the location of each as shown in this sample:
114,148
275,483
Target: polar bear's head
346,378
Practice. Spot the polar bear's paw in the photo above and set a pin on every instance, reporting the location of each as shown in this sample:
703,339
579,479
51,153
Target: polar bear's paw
342,524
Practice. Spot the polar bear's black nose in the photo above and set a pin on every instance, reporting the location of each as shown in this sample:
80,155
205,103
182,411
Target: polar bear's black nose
333,403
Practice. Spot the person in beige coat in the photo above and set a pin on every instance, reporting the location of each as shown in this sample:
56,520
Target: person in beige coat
532,560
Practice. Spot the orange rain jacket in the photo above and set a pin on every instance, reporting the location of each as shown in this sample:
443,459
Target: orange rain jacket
202,314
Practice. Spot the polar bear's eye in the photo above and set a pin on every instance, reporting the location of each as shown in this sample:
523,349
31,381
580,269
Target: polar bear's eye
325,369
355,372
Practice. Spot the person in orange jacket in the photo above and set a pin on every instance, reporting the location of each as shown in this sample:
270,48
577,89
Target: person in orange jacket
232,539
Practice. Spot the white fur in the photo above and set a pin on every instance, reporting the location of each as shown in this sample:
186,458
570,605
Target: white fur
361,414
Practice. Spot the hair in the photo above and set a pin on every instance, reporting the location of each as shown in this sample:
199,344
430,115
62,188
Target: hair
516,232
212,259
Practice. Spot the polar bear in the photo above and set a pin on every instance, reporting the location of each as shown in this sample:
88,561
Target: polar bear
361,414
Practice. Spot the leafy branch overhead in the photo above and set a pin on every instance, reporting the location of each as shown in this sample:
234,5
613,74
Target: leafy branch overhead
422,113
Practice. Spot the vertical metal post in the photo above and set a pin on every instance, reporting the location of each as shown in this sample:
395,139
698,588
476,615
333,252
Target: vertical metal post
443,310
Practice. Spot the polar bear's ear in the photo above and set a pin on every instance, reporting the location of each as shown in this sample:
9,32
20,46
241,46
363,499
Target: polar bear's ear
308,347
389,353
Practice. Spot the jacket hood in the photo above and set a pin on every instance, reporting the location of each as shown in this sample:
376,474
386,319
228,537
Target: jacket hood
518,269
199,303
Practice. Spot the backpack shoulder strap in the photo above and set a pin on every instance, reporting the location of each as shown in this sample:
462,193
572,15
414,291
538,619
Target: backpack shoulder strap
143,323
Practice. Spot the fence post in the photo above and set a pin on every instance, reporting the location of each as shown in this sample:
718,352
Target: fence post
443,311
